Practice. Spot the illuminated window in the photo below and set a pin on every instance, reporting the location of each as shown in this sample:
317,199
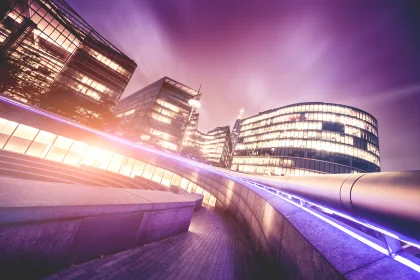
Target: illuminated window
6,129
127,166
116,163
138,169
91,156
103,158
148,171
184,183
21,139
75,153
59,148
176,180
167,177
41,144
158,174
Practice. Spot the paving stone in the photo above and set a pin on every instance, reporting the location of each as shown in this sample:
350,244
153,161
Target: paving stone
215,247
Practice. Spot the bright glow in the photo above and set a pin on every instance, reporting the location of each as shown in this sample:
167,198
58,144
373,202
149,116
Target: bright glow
194,103
407,262
227,175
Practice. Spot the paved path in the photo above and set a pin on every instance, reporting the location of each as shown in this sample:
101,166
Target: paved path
213,248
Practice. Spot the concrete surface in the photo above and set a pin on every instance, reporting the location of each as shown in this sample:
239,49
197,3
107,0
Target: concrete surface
46,225
215,247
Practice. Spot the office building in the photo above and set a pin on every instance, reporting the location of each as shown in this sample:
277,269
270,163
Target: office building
308,138
236,129
158,114
45,44
213,147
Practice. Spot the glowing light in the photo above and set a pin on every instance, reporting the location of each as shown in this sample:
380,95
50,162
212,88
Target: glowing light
280,194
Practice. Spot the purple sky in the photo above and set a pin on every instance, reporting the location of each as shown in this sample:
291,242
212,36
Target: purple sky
265,54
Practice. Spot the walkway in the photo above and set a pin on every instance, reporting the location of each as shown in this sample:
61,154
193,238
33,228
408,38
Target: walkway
213,248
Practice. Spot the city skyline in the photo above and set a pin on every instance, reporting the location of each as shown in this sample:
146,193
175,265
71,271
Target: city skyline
357,54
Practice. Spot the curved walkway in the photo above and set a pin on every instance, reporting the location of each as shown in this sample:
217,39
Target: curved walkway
215,247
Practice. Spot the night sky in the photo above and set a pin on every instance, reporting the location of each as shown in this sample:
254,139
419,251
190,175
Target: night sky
261,55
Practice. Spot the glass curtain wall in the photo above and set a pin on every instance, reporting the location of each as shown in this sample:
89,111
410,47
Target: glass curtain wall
31,141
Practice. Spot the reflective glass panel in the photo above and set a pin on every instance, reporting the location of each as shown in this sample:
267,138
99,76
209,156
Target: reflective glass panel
127,166
158,174
116,163
138,169
41,144
148,171
59,148
176,180
6,130
75,153
167,177
21,139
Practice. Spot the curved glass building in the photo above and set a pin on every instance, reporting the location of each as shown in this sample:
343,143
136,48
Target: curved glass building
308,138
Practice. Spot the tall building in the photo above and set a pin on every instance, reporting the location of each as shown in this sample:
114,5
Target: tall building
157,115
308,138
213,147
45,44
236,129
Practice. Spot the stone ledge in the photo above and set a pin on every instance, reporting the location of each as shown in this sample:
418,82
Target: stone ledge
47,225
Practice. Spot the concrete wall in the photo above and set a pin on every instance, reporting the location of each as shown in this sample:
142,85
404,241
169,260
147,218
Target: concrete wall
297,244
48,225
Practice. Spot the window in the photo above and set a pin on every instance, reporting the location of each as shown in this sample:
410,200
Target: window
6,129
21,139
176,180
148,171
116,163
59,149
158,174
167,177
184,183
138,169
75,153
41,144
127,166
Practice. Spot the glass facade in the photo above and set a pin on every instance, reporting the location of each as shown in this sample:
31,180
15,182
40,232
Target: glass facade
308,138
157,115
214,146
52,46
23,139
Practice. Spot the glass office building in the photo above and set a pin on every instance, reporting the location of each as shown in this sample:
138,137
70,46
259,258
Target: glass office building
157,115
52,46
308,138
214,146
